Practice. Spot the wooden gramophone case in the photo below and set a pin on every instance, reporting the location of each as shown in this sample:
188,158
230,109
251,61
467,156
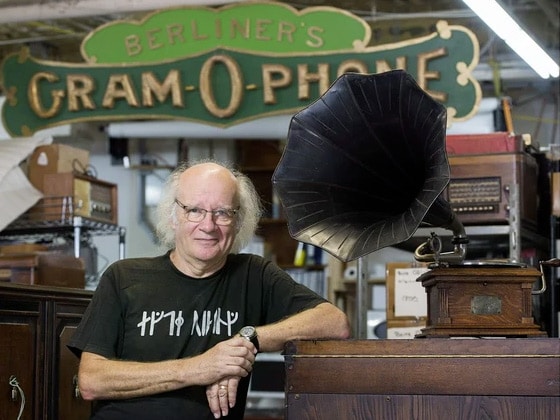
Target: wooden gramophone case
483,300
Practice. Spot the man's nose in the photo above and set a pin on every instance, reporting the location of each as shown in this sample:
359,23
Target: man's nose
208,219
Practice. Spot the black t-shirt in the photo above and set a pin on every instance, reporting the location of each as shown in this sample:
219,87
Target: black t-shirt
144,309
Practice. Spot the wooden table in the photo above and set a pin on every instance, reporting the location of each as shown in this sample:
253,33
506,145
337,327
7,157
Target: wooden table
512,378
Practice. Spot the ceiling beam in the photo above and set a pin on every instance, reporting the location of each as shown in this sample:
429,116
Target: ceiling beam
550,12
72,9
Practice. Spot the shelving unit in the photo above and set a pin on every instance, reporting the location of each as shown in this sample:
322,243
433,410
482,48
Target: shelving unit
503,240
257,159
76,228
496,240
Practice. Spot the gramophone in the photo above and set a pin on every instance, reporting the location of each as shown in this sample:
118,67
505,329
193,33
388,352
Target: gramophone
364,166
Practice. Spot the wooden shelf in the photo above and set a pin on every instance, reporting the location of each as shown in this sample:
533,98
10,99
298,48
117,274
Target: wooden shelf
258,159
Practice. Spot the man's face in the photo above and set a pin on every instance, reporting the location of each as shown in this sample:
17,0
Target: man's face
206,187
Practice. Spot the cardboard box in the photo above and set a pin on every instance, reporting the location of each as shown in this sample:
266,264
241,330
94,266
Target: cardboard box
53,159
43,268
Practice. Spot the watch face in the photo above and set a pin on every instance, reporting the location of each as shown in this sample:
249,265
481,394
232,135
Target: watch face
247,332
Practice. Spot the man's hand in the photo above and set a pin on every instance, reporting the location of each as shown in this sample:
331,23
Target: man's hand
228,362
222,395
233,357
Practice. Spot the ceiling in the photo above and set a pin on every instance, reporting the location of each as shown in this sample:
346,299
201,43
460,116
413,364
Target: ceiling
54,29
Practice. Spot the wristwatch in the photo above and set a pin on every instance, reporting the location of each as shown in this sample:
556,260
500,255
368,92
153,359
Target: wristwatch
250,333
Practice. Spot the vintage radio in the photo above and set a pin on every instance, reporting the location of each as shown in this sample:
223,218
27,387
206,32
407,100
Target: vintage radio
68,194
479,190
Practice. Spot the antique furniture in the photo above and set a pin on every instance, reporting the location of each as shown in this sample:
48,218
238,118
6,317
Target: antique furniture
512,378
480,300
38,374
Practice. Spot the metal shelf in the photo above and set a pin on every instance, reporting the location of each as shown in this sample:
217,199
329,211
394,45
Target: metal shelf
502,238
57,227
47,222
505,238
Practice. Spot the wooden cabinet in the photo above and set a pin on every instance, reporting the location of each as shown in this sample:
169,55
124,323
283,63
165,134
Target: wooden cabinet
36,323
423,379
258,159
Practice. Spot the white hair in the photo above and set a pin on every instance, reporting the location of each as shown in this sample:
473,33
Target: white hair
248,217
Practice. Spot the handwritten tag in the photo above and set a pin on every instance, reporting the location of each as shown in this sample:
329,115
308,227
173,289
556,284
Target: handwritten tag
410,295
403,333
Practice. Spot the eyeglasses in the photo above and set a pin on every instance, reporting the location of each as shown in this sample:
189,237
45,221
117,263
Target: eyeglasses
222,217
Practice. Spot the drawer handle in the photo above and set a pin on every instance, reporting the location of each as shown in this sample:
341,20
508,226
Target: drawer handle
15,390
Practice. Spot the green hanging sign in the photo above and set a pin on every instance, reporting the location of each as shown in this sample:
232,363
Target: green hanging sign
225,66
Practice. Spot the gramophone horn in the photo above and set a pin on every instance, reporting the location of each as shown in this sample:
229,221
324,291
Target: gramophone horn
365,165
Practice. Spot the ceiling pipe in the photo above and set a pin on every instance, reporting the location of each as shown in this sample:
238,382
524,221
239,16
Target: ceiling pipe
75,8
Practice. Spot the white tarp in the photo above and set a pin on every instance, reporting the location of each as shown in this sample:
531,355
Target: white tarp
17,194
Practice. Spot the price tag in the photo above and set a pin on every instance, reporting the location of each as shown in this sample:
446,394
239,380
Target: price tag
410,295
403,333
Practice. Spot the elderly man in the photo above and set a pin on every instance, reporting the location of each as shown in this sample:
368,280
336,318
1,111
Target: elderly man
175,336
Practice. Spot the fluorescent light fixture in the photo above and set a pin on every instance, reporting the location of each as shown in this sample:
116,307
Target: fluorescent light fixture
506,28
273,127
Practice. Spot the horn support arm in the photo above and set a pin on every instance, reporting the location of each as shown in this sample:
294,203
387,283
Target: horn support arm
430,251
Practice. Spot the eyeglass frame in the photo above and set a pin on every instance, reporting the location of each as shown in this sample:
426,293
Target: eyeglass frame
231,213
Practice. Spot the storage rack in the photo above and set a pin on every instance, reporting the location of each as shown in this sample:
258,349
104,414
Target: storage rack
506,239
46,223
76,227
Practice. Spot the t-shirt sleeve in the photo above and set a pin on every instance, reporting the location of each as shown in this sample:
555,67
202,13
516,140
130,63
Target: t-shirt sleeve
284,296
100,328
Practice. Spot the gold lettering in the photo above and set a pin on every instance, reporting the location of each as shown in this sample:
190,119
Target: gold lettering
383,65
304,77
352,66
207,93
269,82
218,28
424,75
172,83
194,31
286,30
119,87
316,40
35,100
261,29
132,45
79,86
152,39
238,28
175,32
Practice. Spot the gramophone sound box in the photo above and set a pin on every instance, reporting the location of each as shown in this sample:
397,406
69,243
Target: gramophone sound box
479,190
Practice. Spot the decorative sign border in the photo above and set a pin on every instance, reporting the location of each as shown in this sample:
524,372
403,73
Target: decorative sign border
224,85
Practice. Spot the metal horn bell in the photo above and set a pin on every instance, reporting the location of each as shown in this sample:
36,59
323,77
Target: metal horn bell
365,165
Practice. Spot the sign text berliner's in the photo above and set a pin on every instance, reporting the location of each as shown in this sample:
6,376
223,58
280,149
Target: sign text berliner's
224,85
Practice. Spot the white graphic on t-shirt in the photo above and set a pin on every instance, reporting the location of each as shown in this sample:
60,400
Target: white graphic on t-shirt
203,324
175,322
207,321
